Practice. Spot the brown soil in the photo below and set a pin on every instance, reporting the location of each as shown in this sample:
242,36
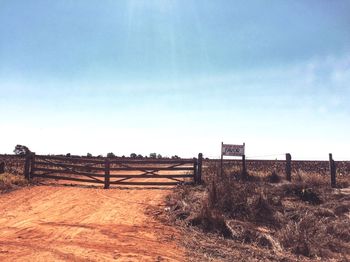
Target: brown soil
59,223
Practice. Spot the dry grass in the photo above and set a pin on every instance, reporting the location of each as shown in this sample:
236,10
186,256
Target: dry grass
9,182
316,234
263,217
13,164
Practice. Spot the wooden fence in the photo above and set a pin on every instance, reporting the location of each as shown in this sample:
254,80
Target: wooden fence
288,166
128,171
115,171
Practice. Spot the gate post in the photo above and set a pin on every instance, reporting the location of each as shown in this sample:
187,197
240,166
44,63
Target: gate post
107,173
199,166
32,165
26,171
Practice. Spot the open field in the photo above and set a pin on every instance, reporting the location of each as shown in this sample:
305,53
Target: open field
264,218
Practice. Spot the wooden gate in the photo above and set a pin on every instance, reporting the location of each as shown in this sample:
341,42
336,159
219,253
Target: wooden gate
115,171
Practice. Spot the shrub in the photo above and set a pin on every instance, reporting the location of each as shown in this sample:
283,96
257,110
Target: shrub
133,155
153,155
110,155
303,191
211,220
274,177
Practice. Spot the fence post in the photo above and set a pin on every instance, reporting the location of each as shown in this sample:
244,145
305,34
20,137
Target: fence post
26,172
199,173
32,165
195,170
289,167
333,171
107,173
244,168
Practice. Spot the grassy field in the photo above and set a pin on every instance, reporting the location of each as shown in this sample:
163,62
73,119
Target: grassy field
263,218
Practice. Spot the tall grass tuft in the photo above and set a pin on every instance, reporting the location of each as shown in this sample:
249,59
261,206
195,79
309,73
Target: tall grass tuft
9,181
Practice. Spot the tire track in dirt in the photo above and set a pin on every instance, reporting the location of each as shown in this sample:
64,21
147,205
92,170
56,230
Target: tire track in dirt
58,223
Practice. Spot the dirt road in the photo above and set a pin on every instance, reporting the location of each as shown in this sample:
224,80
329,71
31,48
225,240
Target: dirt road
60,223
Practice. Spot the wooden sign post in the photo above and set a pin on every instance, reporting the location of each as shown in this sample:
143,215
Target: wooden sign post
233,150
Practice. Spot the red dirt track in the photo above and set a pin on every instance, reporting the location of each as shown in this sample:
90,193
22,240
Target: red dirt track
60,223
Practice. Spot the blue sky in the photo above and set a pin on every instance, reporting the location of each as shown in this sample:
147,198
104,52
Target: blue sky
175,77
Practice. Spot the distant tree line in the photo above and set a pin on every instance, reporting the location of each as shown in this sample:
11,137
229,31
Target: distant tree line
138,156
23,150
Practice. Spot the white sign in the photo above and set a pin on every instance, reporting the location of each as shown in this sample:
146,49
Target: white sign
232,150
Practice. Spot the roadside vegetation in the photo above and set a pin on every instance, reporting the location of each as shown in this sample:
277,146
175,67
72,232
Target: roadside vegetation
10,182
11,171
263,218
